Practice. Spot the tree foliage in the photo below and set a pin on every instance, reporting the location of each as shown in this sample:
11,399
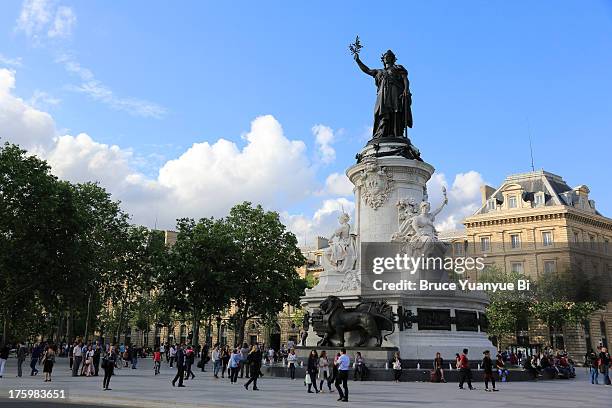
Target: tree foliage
67,251
198,280
507,309
566,298
266,278
71,264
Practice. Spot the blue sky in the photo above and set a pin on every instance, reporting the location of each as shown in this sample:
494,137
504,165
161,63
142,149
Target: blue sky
482,73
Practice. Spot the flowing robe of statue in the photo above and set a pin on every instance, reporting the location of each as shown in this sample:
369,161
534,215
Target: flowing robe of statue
392,112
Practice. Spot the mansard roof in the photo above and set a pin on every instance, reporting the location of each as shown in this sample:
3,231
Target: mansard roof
554,189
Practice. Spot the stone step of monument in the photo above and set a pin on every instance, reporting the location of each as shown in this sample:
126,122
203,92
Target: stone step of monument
408,375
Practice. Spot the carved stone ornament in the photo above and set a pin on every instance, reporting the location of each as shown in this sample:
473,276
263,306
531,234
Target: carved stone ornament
377,184
350,282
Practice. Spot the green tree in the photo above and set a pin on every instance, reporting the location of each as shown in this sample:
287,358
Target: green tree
28,199
507,309
141,261
266,278
197,282
566,298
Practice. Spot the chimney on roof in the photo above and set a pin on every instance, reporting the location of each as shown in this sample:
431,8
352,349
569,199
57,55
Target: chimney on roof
485,193
322,242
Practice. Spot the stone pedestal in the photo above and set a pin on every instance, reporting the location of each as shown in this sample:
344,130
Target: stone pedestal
382,177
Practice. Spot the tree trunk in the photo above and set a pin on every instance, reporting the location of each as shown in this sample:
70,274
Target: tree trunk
170,325
87,319
120,321
241,324
69,326
60,323
195,329
4,327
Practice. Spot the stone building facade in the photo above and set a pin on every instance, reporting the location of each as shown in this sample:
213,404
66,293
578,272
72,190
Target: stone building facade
536,224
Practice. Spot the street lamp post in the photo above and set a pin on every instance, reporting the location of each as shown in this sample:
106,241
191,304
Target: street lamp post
219,330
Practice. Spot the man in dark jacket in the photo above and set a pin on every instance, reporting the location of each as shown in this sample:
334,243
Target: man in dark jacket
36,352
254,360
96,358
604,364
22,351
487,367
180,366
204,357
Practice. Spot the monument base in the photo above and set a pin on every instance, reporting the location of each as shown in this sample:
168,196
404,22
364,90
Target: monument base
390,183
373,356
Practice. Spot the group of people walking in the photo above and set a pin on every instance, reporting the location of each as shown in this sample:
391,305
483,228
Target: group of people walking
320,368
40,354
598,362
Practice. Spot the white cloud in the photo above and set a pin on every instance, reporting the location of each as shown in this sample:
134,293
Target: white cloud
81,159
10,62
207,179
270,169
21,123
324,137
42,100
338,184
62,25
34,17
40,19
463,198
98,91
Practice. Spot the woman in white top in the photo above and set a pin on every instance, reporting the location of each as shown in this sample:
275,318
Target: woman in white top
216,359
291,362
172,354
89,362
324,374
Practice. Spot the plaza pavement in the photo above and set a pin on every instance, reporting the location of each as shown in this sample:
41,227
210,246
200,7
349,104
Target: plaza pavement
140,388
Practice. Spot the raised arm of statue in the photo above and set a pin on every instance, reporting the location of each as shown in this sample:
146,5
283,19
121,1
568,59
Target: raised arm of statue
436,212
364,67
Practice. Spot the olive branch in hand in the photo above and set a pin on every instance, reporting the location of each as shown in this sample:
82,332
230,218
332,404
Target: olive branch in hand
355,47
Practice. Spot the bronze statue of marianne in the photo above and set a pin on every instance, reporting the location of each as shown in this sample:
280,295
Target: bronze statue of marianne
392,113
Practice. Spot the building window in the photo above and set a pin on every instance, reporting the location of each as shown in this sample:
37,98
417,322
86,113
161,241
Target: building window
550,266
516,267
512,202
515,241
606,245
485,244
491,204
592,241
587,334
458,248
547,238
539,199
576,237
